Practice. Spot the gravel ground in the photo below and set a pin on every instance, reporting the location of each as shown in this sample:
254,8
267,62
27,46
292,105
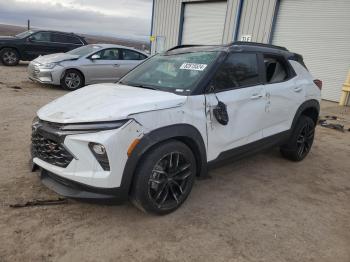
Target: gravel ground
262,208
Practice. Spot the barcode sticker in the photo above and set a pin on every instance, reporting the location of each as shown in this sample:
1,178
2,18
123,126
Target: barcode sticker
193,66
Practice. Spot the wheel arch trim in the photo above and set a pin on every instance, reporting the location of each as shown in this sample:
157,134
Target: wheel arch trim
307,105
185,133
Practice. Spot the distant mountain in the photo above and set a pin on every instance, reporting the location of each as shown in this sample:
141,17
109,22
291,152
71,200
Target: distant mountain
91,39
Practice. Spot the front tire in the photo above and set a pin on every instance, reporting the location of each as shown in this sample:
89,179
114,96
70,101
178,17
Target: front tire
9,57
72,80
301,140
164,178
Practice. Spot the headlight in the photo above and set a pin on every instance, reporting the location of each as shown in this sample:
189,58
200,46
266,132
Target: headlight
94,126
48,65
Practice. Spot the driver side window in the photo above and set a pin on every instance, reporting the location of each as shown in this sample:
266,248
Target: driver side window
109,54
41,37
238,70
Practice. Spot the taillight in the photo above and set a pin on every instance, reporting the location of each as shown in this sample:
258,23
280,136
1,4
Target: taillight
318,82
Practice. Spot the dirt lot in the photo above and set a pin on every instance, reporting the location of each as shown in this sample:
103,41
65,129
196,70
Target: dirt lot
262,208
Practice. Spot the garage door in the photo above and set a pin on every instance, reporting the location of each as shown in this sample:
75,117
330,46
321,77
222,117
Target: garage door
320,31
204,23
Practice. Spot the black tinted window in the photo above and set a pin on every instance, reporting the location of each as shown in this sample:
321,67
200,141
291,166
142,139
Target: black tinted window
238,70
41,37
275,70
66,39
132,55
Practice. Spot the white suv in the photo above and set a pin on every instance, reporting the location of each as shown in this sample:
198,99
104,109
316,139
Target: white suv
147,137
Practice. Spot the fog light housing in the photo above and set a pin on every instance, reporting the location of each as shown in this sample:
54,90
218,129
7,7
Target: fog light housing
99,149
100,153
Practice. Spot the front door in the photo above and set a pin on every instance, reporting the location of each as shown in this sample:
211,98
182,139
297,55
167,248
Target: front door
38,44
237,84
105,67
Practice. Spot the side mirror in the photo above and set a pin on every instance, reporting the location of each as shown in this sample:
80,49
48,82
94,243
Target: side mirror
31,39
220,113
94,57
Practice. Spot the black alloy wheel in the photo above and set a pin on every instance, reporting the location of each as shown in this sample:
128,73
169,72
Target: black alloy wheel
300,142
164,178
305,140
169,182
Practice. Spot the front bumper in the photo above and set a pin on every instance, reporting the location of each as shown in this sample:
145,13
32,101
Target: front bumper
44,75
76,190
84,177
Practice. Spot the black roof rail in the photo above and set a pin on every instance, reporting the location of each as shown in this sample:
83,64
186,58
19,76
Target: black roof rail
182,46
258,44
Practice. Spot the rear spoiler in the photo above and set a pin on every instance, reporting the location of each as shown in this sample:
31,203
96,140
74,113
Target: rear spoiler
298,58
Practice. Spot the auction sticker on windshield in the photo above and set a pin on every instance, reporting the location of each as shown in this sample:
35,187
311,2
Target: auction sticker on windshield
193,66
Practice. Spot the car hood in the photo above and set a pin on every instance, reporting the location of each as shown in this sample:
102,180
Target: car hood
54,58
107,102
7,38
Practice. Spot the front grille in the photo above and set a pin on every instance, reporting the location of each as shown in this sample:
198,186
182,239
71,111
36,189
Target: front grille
50,151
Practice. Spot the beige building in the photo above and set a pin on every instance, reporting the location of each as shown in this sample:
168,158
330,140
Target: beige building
317,29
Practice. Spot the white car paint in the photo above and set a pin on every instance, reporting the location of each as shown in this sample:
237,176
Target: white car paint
106,102
253,115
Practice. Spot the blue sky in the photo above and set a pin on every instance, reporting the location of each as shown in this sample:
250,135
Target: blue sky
128,18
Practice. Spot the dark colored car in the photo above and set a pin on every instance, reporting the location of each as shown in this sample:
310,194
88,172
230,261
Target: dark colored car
30,44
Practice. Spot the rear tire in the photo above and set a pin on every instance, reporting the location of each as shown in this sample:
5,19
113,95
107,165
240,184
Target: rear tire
72,80
9,57
301,140
164,178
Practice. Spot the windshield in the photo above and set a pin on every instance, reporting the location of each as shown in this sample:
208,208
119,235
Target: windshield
84,50
24,34
177,73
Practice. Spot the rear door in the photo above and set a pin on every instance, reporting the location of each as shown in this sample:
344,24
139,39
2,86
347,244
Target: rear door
65,42
238,85
129,59
105,68
284,92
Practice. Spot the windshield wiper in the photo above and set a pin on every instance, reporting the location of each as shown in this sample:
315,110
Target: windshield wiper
138,85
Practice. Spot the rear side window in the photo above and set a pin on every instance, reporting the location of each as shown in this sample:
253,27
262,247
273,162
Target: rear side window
238,70
65,39
276,70
132,55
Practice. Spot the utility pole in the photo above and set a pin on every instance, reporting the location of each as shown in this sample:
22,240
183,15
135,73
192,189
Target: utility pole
28,24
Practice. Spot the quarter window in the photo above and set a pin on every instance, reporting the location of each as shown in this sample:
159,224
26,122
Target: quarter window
275,70
238,70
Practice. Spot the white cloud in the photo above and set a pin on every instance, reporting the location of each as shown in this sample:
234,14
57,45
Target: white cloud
114,18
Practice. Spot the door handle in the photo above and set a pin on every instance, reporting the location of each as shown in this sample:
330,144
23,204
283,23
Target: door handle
116,65
256,96
297,89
